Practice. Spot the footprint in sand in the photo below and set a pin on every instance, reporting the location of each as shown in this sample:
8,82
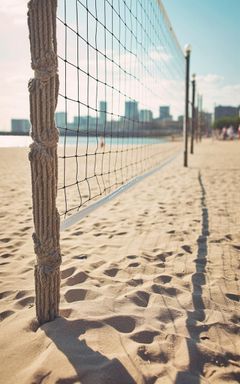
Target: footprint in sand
235,319
131,257
168,315
180,254
162,256
6,255
80,257
152,356
73,295
237,247
120,233
79,278
160,265
135,282
5,240
98,234
21,294
97,264
233,297
25,302
112,272
123,324
163,279
5,314
25,270
187,248
5,294
140,298
5,263
67,272
144,337
77,233
217,241
133,265
26,229
161,290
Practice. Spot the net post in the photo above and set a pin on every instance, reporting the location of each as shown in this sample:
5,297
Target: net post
186,117
193,133
43,89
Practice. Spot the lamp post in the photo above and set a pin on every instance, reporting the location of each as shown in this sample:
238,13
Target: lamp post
186,120
193,112
200,118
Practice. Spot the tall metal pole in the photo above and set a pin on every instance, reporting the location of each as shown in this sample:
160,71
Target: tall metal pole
193,113
186,119
198,118
200,121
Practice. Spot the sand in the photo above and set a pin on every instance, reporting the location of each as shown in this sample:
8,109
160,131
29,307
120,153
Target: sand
150,282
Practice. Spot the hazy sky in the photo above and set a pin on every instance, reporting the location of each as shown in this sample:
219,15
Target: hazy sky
211,26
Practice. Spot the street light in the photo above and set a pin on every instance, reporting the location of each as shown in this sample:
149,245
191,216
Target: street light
187,50
193,112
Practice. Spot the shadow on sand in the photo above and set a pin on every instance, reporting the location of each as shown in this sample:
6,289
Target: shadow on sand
196,361
90,366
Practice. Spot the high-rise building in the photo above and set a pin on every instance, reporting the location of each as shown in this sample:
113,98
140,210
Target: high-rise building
145,115
103,112
131,110
164,113
61,119
20,126
225,111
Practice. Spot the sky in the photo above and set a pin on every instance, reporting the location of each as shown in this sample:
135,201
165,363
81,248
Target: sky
210,26
212,29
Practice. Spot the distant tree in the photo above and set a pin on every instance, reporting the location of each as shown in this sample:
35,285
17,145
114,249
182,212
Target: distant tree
226,122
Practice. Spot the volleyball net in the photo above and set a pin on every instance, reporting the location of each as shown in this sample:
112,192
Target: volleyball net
118,61
121,73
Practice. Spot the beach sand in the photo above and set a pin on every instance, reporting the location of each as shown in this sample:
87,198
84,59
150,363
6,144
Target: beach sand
150,282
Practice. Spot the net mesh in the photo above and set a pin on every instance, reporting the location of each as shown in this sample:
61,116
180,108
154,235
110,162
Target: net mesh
119,60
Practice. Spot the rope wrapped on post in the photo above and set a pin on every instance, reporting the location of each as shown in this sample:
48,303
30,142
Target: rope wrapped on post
43,156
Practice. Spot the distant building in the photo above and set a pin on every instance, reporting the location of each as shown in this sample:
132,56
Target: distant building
169,127
131,110
79,121
181,121
103,112
83,122
206,121
20,126
225,111
164,113
145,115
61,119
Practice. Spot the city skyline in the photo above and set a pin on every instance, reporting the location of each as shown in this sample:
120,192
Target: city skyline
101,119
62,119
131,113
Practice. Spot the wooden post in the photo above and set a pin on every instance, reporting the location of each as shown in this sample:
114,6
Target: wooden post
43,90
